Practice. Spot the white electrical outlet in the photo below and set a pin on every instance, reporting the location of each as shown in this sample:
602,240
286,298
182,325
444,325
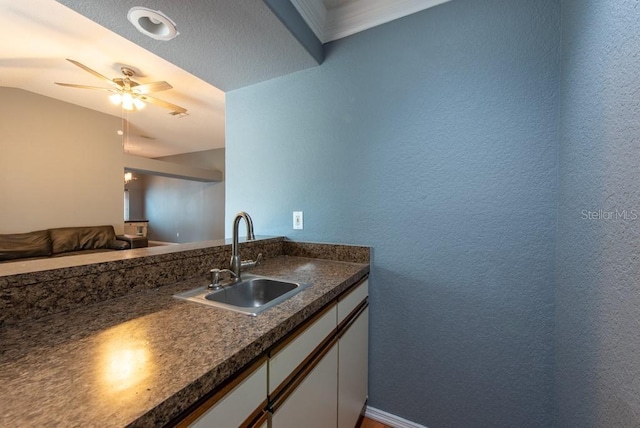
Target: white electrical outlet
297,220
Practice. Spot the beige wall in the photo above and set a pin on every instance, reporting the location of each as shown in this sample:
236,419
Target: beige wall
60,164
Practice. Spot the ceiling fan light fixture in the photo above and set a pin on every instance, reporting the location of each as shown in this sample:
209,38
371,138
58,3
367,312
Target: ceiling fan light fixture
129,94
116,99
152,23
138,103
127,101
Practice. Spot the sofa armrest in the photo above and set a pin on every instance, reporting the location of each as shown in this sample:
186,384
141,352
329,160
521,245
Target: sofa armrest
119,244
134,241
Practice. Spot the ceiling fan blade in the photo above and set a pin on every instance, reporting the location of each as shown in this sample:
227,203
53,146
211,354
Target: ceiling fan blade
95,73
73,85
162,103
152,87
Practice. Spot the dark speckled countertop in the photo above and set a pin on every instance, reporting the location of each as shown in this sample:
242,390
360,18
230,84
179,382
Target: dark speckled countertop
144,358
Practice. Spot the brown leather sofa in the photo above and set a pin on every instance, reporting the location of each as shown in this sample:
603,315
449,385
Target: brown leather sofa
63,241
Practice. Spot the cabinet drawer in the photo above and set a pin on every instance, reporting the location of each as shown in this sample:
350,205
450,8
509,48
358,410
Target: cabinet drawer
284,362
312,403
350,301
233,409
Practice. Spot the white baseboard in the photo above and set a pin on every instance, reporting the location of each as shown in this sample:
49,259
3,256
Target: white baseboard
389,419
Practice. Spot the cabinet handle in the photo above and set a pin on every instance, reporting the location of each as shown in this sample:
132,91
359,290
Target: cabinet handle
351,318
301,376
208,401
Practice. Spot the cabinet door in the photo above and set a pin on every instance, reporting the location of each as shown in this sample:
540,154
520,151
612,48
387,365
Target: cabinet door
313,402
353,348
350,301
239,404
287,361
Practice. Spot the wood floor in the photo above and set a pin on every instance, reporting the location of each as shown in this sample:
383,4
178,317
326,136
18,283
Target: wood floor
370,423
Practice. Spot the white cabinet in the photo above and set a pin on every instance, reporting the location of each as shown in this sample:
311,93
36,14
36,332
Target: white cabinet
353,348
319,378
236,405
262,421
313,402
287,360
350,301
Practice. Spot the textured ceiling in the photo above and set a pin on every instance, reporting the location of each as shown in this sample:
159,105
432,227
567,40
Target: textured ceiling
44,33
229,44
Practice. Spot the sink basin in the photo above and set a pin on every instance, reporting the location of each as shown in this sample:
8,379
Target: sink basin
251,296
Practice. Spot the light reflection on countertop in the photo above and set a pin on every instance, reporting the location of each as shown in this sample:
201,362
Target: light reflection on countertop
124,360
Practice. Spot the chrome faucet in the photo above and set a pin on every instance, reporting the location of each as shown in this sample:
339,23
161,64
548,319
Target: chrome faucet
236,264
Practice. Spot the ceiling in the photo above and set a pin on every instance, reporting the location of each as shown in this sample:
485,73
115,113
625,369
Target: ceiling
228,43
223,45
44,33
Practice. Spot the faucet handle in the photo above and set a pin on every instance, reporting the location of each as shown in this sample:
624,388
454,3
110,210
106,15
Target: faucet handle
247,264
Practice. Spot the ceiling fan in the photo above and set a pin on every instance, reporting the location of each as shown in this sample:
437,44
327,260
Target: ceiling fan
132,95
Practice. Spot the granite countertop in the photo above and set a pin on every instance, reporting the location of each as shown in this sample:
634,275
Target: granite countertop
142,359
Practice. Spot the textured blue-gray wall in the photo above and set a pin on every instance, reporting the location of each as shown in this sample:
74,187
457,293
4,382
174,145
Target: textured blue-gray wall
598,253
433,139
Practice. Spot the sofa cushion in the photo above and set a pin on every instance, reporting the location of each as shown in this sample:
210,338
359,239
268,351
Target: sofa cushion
21,245
67,239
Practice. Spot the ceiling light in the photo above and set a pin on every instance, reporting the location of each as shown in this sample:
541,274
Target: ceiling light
129,101
116,99
137,103
152,23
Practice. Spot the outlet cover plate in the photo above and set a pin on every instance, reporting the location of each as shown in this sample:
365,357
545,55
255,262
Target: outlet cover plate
297,220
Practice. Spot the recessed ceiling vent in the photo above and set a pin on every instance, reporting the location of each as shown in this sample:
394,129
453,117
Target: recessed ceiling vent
178,114
152,23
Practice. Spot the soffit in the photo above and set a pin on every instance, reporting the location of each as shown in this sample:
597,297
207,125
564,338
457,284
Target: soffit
230,44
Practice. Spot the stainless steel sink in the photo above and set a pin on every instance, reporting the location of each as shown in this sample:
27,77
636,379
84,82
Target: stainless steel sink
251,296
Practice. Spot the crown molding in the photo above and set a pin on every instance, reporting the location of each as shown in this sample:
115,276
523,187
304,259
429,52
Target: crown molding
361,15
356,15
315,15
